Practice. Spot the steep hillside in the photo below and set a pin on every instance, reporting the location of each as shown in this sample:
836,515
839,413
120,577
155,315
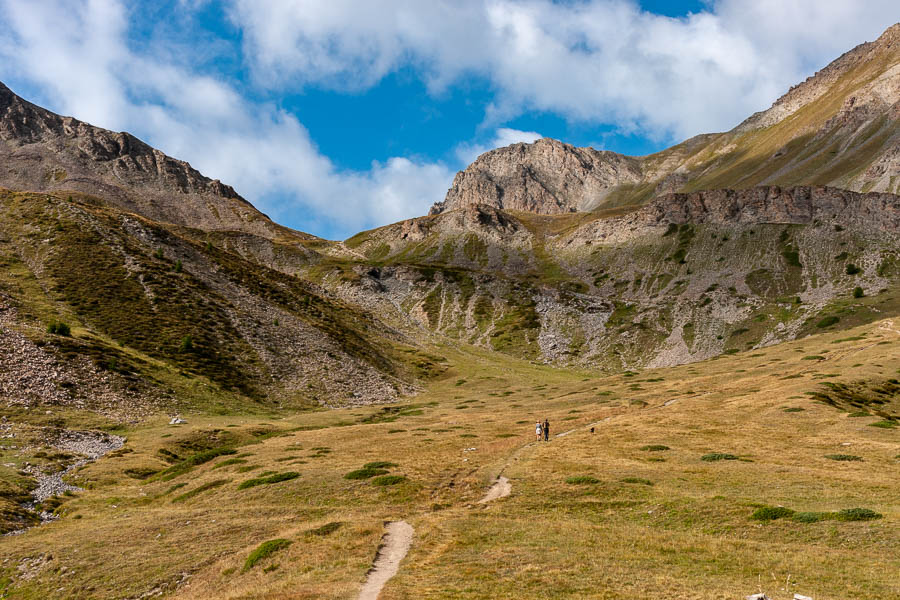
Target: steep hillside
163,317
838,128
685,278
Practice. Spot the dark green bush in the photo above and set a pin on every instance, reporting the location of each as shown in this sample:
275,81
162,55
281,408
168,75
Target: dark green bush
276,478
852,269
844,457
379,464
857,514
364,473
389,480
187,344
718,456
771,513
858,292
59,328
827,322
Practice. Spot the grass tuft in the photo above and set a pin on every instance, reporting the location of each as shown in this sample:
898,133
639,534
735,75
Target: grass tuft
582,480
844,457
771,513
388,480
654,448
364,473
276,478
713,457
265,550
326,529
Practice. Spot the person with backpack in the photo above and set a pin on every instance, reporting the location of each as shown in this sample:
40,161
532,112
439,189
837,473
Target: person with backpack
538,429
546,429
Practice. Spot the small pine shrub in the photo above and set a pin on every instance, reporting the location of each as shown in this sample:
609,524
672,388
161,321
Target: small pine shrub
852,269
187,344
59,328
771,513
858,292
264,550
178,266
159,254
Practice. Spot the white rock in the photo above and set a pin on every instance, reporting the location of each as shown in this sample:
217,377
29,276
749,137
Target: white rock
761,596
801,597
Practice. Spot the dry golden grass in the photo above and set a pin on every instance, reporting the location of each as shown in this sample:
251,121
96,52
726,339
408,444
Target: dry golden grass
688,535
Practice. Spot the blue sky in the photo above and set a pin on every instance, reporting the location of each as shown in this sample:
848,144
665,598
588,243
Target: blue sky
334,116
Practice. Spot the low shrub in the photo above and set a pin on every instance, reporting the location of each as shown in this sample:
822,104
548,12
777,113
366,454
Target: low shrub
364,473
639,480
582,480
276,478
379,464
857,514
326,529
265,550
654,448
858,292
59,328
844,457
713,457
200,490
884,424
852,269
141,472
827,322
771,513
389,480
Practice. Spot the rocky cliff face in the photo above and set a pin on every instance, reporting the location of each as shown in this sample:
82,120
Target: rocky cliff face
547,177
43,151
840,127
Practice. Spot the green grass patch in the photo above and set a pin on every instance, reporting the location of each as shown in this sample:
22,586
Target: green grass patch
638,480
365,473
827,322
276,478
884,424
716,456
771,513
194,460
843,457
385,480
379,464
582,480
200,490
326,529
265,550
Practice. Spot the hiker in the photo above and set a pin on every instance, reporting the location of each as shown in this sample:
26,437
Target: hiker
546,430
537,430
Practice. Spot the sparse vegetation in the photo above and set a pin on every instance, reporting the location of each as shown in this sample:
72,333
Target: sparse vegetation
716,456
267,480
265,550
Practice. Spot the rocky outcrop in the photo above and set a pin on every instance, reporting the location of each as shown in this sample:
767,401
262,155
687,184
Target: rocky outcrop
43,151
546,177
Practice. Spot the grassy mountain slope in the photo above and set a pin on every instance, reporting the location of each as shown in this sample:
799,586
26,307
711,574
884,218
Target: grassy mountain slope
633,510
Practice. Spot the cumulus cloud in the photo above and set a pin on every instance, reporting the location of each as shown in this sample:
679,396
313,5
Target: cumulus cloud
603,61
504,136
86,68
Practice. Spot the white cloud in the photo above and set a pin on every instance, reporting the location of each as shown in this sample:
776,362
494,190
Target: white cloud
602,61
85,68
504,136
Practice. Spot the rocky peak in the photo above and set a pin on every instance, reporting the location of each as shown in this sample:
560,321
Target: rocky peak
545,177
43,151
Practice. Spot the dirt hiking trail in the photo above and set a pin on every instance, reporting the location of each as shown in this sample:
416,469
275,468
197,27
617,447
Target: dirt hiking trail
394,546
